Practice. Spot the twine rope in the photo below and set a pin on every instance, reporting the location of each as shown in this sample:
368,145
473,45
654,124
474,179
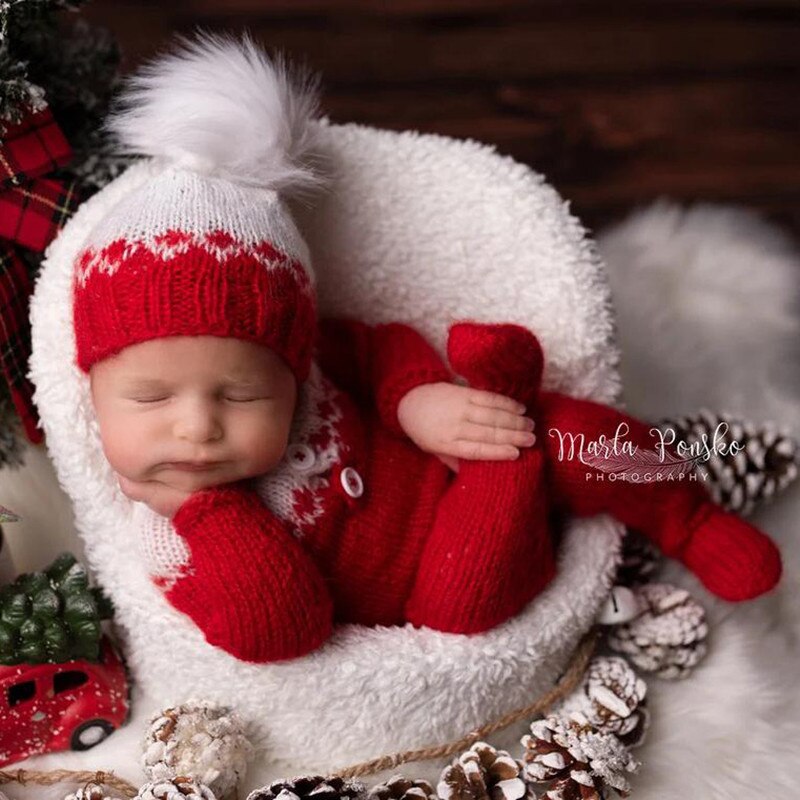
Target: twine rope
568,681
25,776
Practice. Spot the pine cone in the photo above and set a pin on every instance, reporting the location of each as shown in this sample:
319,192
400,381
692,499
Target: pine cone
198,739
180,788
668,638
483,773
316,786
579,762
612,698
91,791
400,788
765,461
641,559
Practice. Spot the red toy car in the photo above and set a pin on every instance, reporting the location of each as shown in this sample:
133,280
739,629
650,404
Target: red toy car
49,707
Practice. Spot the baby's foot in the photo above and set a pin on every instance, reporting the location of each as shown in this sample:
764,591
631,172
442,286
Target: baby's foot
503,358
733,559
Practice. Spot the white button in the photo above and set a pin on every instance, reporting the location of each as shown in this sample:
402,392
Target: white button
300,457
620,607
351,482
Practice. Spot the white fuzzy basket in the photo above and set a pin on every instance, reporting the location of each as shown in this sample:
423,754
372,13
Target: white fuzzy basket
424,229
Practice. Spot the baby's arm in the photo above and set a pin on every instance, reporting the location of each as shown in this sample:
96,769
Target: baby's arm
393,366
378,364
249,586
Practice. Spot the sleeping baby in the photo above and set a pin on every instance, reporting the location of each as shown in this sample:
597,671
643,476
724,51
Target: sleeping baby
300,472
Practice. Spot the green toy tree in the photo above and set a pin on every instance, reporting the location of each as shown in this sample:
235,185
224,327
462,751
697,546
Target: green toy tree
52,616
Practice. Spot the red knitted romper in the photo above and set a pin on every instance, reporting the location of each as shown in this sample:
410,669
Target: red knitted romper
397,537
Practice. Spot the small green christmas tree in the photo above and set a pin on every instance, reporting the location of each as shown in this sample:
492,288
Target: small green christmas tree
52,616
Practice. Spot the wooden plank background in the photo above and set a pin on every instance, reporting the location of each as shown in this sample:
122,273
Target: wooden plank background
616,103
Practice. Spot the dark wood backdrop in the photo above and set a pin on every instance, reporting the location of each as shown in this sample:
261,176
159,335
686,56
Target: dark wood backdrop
617,102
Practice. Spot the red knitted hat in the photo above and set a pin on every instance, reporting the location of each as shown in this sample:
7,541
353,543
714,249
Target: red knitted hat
205,243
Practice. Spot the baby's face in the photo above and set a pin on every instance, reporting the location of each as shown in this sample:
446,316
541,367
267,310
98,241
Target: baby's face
191,399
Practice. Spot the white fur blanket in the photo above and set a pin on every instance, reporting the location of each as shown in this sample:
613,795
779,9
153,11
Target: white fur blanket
707,309
726,338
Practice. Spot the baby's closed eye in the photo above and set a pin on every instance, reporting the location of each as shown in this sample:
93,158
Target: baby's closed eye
231,399
148,399
247,399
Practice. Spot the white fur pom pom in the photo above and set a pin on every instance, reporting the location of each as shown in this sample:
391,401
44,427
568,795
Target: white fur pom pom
221,105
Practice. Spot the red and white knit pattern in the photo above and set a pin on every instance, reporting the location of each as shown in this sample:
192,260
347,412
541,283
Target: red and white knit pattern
174,243
165,553
189,255
181,283
292,490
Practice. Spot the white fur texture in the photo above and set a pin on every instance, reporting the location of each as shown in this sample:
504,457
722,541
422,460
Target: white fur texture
707,314
708,310
419,228
221,105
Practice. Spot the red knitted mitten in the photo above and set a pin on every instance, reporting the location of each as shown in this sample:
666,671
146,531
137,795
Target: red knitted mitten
250,586
734,560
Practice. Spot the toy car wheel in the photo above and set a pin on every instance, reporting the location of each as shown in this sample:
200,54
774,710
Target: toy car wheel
91,733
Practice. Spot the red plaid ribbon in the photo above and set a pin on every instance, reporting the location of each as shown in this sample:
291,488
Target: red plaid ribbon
32,210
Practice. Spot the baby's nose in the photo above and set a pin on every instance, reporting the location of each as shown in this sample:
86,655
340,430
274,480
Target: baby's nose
196,423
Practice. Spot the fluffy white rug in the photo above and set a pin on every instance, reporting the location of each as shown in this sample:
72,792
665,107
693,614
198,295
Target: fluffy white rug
707,304
707,315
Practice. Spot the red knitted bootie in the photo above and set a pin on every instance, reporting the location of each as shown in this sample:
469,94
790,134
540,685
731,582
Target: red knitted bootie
733,559
490,551
251,588
503,358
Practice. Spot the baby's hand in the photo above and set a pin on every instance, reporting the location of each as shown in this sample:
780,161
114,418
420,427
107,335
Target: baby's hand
163,499
453,421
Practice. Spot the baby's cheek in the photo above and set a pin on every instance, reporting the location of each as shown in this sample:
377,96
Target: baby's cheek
128,450
258,457
262,445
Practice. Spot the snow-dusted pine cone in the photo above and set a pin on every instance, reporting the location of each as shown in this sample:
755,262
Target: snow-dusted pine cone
399,788
577,761
641,559
90,791
483,773
668,638
766,460
315,787
198,739
612,697
179,788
